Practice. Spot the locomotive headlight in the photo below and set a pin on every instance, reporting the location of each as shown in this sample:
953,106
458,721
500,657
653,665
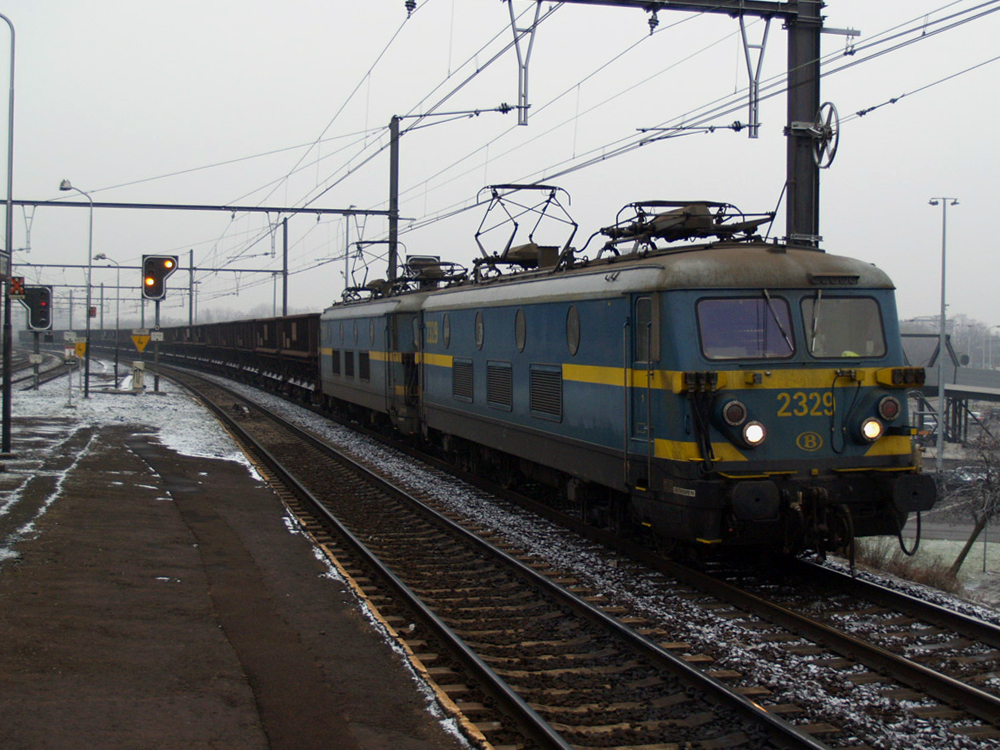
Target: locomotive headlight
732,418
734,413
889,408
871,429
753,434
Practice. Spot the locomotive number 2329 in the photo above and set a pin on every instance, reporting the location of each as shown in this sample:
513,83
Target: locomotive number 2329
805,404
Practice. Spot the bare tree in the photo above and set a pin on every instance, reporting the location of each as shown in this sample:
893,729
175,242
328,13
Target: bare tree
980,491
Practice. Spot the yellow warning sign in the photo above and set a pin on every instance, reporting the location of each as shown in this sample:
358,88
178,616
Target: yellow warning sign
140,342
81,348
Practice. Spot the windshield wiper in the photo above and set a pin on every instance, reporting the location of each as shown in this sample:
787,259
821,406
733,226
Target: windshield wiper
815,320
774,314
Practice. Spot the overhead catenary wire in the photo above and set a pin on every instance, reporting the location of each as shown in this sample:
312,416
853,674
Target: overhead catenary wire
309,201
365,133
896,99
625,145
585,159
721,108
250,244
433,108
538,136
479,70
274,185
357,88
583,80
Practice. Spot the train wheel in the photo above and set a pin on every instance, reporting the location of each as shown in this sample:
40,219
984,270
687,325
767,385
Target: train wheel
841,531
670,548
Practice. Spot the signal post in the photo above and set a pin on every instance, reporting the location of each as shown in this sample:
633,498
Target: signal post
38,301
155,271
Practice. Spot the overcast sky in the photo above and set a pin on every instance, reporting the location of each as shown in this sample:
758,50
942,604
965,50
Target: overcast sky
253,103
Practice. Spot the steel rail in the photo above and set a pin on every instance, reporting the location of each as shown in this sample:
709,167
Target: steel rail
525,717
54,372
946,689
780,732
981,704
941,687
936,614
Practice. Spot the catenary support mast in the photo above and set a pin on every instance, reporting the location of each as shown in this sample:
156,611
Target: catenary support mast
804,24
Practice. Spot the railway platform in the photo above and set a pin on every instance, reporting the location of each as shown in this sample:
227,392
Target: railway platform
152,599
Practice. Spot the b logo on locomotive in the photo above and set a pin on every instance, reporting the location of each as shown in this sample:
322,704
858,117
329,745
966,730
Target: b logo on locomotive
809,441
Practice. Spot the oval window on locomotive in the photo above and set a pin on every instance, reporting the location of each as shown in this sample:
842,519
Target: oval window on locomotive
573,330
745,328
520,330
838,327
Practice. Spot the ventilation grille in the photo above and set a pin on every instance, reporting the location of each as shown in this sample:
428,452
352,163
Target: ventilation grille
461,379
499,385
546,392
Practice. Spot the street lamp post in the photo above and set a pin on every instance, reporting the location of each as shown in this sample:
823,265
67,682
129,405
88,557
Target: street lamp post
5,428
939,459
118,305
66,185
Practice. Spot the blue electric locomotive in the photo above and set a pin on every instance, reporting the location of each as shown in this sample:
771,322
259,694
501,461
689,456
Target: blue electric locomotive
734,392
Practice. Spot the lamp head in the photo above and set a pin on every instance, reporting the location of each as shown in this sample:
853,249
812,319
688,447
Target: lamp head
65,185
100,256
955,202
932,202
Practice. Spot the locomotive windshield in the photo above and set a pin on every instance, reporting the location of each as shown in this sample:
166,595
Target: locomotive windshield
745,328
843,326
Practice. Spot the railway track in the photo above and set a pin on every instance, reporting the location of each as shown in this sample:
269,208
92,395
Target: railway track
525,658
947,662
897,658
757,629
890,649
53,367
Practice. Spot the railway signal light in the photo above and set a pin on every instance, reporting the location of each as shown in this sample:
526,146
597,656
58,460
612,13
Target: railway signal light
155,270
38,300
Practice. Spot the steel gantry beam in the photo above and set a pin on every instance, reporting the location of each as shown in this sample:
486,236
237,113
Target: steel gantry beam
206,207
234,209
804,25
